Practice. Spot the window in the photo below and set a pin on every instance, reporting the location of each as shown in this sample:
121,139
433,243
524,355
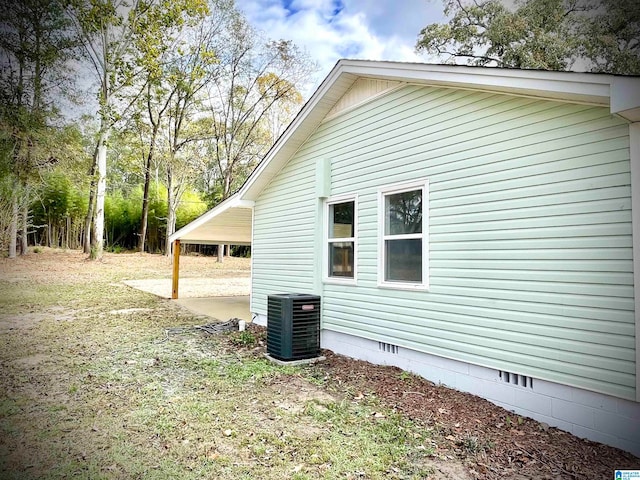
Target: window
341,239
404,241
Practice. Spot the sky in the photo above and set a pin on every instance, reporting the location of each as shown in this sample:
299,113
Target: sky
357,29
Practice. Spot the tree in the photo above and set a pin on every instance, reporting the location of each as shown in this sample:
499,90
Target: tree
488,33
34,45
157,37
104,30
255,89
539,34
611,37
193,67
111,31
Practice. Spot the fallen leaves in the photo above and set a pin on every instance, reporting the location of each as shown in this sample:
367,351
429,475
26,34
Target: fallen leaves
453,416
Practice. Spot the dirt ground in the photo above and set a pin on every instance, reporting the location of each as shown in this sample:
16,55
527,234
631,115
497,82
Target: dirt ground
471,438
73,266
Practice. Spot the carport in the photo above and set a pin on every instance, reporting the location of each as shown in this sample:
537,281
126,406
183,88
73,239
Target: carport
229,223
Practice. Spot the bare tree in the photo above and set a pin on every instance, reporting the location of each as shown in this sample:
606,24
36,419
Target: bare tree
191,65
159,40
253,97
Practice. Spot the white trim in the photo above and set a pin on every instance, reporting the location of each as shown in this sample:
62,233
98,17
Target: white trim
538,83
259,319
625,98
253,219
634,156
241,203
422,184
325,240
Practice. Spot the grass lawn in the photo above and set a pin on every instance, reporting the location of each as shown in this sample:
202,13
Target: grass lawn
92,386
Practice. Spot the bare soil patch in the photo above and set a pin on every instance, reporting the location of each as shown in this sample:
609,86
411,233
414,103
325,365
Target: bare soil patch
54,265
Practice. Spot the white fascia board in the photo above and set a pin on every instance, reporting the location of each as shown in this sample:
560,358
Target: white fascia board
625,97
231,202
241,203
188,241
569,86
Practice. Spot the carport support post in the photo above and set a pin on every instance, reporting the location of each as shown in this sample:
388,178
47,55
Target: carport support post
176,269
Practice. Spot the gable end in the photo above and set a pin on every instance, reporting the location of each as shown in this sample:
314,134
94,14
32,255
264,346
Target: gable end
364,89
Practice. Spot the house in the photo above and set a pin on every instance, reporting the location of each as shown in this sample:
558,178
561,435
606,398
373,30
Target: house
477,226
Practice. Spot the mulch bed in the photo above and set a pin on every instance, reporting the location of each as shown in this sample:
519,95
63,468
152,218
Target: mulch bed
492,442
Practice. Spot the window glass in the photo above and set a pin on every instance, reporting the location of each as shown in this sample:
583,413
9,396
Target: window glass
341,240
341,259
403,260
403,213
341,220
403,241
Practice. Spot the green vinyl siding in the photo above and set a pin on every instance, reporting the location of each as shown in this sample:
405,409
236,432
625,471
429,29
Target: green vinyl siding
283,247
530,248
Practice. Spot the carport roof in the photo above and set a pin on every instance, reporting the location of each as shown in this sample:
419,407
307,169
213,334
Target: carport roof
227,223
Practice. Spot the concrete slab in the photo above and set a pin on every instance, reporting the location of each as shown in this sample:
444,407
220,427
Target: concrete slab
218,298
194,287
304,361
219,308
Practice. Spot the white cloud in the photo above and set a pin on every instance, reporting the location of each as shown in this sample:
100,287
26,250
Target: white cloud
332,29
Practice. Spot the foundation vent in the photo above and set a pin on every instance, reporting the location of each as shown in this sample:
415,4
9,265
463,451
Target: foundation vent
515,379
387,347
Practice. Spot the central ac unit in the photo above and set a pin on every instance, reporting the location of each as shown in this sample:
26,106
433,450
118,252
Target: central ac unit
293,326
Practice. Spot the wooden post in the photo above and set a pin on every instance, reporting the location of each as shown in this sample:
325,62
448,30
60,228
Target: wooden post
176,269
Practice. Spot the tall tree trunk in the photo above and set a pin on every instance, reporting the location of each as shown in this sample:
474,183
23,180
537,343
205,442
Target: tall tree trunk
145,197
145,209
101,154
67,240
171,213
93,228
88,220
96,253
86,240
24,244
171,228
13,226
226,193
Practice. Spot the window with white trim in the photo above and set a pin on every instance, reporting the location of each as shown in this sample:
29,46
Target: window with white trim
341,239
404,248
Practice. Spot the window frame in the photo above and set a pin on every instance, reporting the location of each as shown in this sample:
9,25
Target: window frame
327,240
393,189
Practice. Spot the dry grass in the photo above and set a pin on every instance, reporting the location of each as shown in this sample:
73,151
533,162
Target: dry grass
93,388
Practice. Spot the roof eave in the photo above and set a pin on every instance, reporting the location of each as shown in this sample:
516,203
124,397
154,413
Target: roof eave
625,97
589,88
